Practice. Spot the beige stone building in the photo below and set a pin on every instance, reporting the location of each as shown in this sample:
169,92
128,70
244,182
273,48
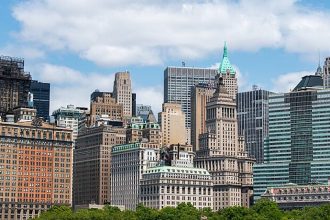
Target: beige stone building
222,152
105,104
172,122
169,184
122,92
200,95
138,131
35,168
128,162
92,163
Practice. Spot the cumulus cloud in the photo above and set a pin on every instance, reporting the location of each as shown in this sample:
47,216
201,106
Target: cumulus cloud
287,82
28,52
112,33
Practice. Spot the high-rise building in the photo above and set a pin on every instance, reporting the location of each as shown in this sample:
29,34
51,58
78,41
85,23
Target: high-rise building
169,185
41,98
122,92
326,73
102,103
35,168
14,84
91,174
252,117
179,82
68,117
228,74
222,152
143,111
133,104
296,149
200,95
172,122
128,162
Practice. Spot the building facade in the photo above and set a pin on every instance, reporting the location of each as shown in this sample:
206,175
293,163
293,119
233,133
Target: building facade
222,152
92,163
69,117
200,95
35,168
293,196
41,98
172,122
296,150
102,103
147,131
128,162
252,117
14,84
326,73
169,185
122,92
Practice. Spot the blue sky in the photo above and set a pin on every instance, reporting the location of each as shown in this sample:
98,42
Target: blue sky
78,45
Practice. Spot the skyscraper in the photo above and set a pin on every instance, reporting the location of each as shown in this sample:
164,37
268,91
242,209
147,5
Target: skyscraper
222,152
14,84
41,98
252,117
122,92
92,163
172,122
200,95
179,81
326,73
297,148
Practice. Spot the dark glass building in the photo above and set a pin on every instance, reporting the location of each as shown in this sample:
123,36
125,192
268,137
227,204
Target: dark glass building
41,98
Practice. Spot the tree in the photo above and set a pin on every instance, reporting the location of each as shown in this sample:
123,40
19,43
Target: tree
267,209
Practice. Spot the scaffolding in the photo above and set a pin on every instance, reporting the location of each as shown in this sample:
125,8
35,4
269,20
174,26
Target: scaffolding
14,84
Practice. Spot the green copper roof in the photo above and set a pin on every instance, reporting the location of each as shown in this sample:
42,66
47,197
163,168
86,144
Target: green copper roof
225,64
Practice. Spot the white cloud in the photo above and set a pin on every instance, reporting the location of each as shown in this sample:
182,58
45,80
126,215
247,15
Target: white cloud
69,86
27,52
287,82
109,32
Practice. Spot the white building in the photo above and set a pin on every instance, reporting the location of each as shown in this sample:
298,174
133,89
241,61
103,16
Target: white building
128,162
69,118
165,185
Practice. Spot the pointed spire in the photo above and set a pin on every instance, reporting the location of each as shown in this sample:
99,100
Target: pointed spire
225,66
225,52
319,69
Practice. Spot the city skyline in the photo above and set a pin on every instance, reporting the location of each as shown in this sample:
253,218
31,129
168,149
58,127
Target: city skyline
286,44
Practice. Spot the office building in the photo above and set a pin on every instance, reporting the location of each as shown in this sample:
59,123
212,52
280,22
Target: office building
92,163
41,98
103,104
143,111
326,73
69,117
133,104
200,95
169,185
122,92
24,114
296,150
222,152
292,196
14,84
128,162
35,168
252,117
172,122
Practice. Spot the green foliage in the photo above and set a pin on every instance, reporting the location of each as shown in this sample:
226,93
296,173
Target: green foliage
262,210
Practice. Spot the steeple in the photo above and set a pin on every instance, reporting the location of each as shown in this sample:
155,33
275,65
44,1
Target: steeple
225,66
319,69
